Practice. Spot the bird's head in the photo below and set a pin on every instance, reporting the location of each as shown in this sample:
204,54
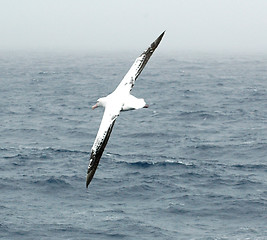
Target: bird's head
99,103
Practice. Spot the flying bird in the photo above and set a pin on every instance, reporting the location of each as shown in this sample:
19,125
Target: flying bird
119,100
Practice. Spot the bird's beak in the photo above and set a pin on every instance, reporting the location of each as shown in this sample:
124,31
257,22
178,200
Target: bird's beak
95,106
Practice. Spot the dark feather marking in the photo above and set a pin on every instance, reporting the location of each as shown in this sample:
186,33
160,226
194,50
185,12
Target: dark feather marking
96,155
147,54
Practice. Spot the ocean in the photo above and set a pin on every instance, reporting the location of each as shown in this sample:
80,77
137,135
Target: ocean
191,166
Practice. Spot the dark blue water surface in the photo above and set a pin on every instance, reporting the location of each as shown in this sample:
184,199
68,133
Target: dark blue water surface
191,166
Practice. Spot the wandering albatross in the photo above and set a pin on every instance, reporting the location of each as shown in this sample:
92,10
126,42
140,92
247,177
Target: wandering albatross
119,100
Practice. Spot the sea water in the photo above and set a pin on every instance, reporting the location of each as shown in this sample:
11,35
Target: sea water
191,166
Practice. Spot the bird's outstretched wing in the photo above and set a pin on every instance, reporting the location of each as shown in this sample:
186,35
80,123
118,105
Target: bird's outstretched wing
100,143
129,79
113,109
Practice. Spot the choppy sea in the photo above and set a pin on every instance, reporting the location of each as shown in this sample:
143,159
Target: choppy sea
191,166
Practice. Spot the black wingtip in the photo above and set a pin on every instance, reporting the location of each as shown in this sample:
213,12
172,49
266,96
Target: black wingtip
155,44
89,178
92,168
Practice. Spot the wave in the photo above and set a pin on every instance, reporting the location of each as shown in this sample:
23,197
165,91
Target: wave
149,164
58,150
207,146
149,160
246,183
4,228
197,114
10,185
20,156
52,182
33,151
63,150
251,166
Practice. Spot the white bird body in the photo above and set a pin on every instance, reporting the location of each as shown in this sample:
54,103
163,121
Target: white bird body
119,100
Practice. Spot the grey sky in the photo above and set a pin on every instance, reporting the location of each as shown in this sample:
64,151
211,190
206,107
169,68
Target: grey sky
192,25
